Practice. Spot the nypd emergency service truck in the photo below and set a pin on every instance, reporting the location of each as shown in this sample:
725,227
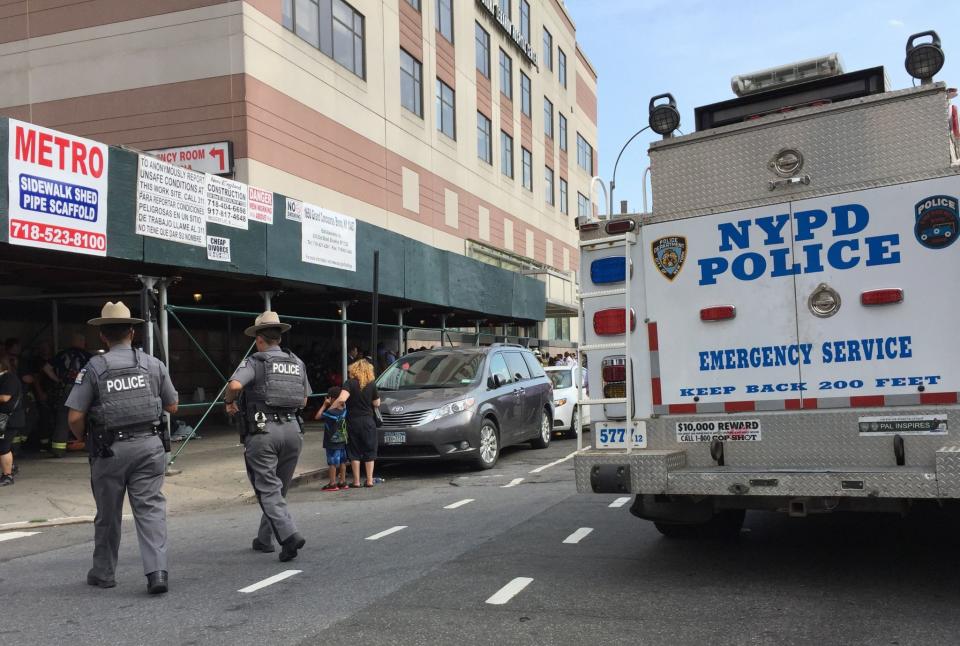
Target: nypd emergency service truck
778,332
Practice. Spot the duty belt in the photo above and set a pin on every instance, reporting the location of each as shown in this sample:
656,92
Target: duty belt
122,436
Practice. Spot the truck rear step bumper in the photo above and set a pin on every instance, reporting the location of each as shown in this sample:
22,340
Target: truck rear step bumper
666,472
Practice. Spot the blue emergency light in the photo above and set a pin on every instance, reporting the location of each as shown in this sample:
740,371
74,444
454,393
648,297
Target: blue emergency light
608,270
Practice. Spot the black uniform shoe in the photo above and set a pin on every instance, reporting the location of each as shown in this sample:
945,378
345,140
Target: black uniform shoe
290,546
260,547
157,582
6,480
93,579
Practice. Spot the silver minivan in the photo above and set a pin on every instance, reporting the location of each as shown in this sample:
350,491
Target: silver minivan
464,403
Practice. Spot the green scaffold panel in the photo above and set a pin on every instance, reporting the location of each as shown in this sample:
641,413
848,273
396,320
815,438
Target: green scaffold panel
480,287
427,278
122,238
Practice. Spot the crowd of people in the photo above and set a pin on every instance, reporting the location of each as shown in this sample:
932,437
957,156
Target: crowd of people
33,390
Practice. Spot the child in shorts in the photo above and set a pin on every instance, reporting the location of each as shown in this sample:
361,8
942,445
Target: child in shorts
334,440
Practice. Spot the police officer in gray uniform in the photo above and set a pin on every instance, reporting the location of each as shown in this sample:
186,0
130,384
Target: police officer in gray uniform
274,388
118,399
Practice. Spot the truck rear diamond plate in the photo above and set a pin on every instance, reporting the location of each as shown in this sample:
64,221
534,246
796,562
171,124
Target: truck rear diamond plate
853,144
648,469
948,471
904,483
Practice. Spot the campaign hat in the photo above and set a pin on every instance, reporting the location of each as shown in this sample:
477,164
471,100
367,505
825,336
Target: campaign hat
266,320
114,314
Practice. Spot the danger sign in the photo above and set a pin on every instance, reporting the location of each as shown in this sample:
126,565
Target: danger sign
215,158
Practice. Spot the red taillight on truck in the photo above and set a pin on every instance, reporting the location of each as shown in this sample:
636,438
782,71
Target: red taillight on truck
613,371
613,321
881,296
718,313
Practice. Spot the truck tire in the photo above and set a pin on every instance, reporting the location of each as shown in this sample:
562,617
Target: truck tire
725,524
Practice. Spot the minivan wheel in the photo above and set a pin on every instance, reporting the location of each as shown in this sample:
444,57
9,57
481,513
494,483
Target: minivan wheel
489,450
546,431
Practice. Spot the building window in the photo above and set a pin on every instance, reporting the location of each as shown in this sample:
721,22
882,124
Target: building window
562,67
506,9
547,117
583,205
414,3
411,83
483,51
525,99
562,126
332,26
564,207
445,18
527,168
547,49
484,139
446,110
584,154
506,75
548,181
525,20
506,154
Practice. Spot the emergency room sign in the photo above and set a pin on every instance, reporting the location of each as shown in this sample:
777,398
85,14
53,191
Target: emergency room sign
215,158
58,190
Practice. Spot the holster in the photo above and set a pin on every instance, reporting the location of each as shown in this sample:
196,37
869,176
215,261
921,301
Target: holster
165,437
99,441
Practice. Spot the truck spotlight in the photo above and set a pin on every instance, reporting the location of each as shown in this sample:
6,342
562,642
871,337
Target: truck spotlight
926,59
664,118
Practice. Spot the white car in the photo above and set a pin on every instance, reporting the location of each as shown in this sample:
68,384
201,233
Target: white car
567,416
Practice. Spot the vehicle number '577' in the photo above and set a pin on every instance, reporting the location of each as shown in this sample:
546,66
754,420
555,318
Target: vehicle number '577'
613,435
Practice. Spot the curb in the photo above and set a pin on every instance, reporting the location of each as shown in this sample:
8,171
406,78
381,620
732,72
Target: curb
53,522
308,476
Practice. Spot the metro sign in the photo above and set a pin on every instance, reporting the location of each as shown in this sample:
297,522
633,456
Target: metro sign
215,158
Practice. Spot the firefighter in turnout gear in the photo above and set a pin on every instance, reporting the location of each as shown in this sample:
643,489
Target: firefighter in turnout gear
271,386
117,399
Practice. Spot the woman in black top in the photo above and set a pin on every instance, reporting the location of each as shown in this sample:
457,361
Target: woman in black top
361,391
10,395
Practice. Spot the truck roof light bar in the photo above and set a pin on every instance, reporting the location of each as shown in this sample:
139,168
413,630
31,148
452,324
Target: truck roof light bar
926,59
718,313
620,226
881,296
786,75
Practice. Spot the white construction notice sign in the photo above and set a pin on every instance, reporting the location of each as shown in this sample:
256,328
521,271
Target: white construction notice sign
226,202
171,202
57,190
328,238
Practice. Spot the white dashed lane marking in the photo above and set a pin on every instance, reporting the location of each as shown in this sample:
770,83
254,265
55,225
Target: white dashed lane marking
509,591
512,483
556,462
620,502
259,585
578,535
386,532
9,536
459,503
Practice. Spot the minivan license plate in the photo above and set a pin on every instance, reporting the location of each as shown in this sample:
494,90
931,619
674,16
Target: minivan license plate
394,437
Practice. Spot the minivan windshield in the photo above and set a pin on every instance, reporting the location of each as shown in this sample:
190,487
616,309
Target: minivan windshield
561,378
432,370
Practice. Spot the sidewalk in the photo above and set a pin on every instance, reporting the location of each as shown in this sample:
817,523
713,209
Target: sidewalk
212,474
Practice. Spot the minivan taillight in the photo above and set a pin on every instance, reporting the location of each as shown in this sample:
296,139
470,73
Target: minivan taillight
613,321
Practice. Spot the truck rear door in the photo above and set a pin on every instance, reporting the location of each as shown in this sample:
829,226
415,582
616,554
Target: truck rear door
723,316
875,296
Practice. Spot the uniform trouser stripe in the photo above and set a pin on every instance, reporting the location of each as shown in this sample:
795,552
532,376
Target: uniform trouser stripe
253,482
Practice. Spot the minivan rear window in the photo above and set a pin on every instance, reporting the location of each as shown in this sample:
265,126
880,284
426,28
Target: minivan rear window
535,368
516,364
431,370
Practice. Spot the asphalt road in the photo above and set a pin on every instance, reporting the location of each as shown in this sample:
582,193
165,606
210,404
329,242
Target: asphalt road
494,570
